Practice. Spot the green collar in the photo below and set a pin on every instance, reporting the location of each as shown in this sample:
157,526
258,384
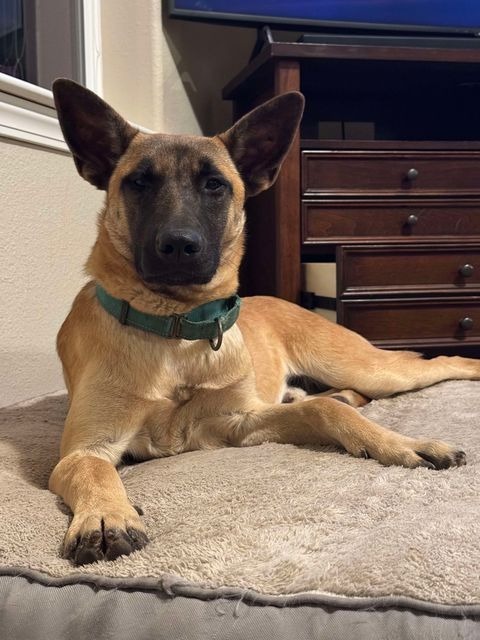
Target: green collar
206,322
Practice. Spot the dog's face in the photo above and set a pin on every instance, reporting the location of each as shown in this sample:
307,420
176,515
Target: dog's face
179,208
174,206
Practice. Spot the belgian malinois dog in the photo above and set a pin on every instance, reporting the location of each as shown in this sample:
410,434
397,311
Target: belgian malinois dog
157,357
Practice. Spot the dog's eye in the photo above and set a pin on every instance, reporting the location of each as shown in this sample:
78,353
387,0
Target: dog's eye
139,182
213,184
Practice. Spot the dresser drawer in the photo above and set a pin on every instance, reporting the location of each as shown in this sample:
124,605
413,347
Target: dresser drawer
411,321
330,221
393,268
390,172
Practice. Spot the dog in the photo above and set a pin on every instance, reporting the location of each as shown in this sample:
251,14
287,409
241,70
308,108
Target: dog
159,354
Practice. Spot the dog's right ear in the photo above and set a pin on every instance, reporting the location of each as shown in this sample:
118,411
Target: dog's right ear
96,134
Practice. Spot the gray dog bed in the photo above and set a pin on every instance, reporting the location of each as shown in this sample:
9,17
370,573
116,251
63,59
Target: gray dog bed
274,541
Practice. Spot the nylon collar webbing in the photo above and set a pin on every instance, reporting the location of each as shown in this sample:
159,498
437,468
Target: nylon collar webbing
206,322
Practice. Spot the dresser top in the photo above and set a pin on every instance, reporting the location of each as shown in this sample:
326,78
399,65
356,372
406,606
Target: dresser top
304,52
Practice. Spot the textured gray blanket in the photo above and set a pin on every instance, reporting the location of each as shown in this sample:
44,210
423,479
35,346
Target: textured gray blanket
276,519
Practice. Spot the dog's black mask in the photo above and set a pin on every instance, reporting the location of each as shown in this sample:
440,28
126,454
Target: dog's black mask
177,211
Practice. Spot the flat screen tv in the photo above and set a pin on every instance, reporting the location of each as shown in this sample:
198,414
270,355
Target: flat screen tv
455,17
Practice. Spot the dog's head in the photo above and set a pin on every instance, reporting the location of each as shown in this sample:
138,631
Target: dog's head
174,206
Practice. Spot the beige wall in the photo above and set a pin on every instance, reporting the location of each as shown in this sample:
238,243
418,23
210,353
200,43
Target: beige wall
163,74
166,74
47,227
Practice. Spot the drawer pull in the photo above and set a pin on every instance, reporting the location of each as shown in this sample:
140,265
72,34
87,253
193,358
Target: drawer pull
467,270
466,323
412,220
412,174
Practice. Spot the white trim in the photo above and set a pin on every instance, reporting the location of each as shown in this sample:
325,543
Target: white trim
26,90
92,43
27,125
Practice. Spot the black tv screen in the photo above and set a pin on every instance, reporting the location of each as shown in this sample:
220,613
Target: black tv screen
456,16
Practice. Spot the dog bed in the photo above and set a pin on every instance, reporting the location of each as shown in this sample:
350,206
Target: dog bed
273,541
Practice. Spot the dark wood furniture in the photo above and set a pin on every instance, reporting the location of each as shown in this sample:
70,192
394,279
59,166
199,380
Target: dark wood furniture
398,209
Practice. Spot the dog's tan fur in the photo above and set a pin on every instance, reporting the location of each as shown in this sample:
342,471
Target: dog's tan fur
132,391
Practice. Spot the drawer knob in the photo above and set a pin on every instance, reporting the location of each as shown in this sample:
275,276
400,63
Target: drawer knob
467,270
412,220
412,174
466,323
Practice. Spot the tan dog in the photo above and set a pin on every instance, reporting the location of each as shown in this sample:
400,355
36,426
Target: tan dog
170,240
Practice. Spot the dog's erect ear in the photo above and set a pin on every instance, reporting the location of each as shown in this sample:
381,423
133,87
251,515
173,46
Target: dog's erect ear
96,134
259,142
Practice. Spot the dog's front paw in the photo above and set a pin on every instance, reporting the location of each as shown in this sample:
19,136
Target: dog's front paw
409,452
103,536
439,455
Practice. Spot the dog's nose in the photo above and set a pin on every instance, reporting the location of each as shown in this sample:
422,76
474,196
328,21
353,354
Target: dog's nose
179,245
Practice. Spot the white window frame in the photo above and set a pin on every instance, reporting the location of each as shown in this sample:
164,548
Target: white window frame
27,112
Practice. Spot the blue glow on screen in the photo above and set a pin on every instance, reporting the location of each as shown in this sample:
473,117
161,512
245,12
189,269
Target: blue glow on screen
429,13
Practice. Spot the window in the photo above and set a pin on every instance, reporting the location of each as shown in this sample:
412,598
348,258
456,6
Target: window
41,40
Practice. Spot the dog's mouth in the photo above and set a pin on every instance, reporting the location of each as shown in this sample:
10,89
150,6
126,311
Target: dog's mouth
157,282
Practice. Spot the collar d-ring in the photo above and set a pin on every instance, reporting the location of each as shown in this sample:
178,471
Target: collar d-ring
216,345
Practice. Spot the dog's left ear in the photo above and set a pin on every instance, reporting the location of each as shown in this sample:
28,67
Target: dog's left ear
259,142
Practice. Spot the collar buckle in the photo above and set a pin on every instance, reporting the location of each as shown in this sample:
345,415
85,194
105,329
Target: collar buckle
176,326
124,309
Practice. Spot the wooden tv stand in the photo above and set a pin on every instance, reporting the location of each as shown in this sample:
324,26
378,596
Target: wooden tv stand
384,179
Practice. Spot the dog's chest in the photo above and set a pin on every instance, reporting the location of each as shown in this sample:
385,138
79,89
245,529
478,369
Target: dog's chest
177,370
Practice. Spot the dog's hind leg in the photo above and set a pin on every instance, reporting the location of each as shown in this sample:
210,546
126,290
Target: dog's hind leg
344,360
303,388
352,398
349,397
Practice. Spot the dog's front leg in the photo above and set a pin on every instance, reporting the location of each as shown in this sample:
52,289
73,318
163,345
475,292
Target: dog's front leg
99,429
105,525
324,421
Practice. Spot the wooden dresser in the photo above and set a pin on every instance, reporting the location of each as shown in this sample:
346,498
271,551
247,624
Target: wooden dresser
384,180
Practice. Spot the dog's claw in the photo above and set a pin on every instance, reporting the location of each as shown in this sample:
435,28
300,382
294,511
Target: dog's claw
427,464
460,458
